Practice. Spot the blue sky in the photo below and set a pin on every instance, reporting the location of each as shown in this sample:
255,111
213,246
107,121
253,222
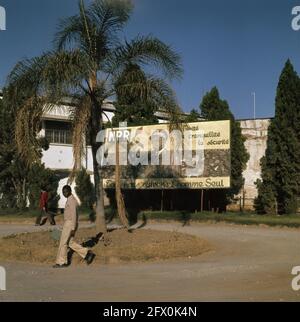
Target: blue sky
240,46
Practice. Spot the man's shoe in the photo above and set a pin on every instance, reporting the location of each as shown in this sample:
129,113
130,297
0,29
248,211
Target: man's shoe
89,257
60,266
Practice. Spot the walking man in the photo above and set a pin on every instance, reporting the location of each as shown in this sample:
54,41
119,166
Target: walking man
68,233
44,209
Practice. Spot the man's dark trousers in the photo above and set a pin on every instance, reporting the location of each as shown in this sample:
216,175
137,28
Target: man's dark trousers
44,213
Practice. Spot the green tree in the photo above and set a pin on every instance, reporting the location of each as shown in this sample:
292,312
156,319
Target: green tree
41,177
84,188
134,114
215,109
278,188
194,116
85,65
20,182
8,197
132,107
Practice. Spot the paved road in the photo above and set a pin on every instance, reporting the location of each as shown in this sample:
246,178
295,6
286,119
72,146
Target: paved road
8,229
248,264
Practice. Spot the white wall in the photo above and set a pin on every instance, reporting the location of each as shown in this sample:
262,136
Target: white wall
256,134
60,157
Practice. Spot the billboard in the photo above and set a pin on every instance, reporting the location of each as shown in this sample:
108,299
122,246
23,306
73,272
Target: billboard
192,156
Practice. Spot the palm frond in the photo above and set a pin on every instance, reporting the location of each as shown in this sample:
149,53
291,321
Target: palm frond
26,76
26,129
39,84
165,99
65,72
110,16
76,32
131,75
95,28
146,51
80,119
68,31
53,75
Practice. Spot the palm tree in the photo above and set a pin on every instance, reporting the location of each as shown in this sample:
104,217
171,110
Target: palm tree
86,65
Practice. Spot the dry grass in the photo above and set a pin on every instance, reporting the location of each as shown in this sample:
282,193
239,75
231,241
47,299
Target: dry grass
122,247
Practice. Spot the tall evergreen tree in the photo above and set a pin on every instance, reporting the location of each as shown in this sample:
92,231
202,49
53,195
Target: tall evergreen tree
213,108
279,187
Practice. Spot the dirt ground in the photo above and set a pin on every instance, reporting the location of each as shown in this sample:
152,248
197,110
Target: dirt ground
247,264
120,246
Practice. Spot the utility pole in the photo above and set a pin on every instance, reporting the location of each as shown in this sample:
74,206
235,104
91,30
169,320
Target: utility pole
254,105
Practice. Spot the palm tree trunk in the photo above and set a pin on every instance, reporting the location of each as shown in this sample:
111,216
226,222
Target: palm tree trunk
119,196
99,193
95,127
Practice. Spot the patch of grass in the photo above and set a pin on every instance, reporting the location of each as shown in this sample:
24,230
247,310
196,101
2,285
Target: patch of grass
230,217
121,247
293,221
18,216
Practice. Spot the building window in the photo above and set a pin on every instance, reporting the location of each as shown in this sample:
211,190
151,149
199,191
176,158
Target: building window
58,132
